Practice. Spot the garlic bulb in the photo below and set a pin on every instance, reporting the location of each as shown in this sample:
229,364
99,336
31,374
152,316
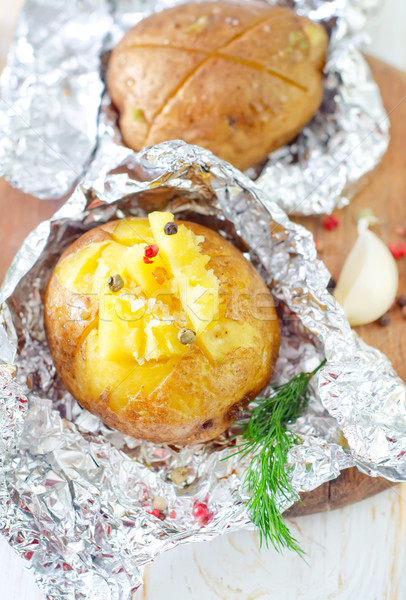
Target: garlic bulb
369,280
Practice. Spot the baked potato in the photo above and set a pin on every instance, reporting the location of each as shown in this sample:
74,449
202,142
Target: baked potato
161,328
240,79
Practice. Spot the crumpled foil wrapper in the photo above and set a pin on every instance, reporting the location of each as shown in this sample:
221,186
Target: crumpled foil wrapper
53,84
76,497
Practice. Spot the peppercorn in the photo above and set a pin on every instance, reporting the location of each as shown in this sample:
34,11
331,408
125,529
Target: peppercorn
331,222
398,250
331,286
159,503
115,282
170,228
149,253
384,321
402,300
179,475
200,511
186,336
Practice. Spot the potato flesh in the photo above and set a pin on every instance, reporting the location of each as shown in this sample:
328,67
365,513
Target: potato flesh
198,287
119,353
76,272
131,231
219,340
121,378
137,323
120,334
142,273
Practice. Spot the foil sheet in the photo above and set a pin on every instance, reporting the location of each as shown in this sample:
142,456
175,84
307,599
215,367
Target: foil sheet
53,83
76,498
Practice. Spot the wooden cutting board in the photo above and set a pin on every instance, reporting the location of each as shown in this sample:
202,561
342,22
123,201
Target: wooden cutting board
385,194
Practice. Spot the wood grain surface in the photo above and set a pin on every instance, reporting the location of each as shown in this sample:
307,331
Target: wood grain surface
385,194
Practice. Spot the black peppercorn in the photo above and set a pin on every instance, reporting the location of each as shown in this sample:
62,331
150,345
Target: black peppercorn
384,320
331,286
170,228
402,300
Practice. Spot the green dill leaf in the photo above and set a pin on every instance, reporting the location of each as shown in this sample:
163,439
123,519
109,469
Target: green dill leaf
266,439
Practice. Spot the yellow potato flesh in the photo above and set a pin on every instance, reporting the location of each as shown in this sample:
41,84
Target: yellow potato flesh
118,350
120,334
219,341
130,328
132,231
140,272
198,287
121,378
77,271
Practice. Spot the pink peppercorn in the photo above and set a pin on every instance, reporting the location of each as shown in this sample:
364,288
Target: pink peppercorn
398,249
149,253
200,511
331,222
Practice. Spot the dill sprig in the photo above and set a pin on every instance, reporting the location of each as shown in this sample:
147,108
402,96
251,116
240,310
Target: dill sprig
267,441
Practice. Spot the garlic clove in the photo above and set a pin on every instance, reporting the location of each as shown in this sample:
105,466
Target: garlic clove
369,280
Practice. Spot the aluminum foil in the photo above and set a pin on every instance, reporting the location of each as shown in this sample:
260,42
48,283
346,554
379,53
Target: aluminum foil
76,498
53,83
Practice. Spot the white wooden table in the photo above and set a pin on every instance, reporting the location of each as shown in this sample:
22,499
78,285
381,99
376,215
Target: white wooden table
356,553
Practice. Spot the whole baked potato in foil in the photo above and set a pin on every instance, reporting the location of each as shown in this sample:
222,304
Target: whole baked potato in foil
164,336
240,79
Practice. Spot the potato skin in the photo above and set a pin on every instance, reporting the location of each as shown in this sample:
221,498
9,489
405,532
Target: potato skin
196,399
240,79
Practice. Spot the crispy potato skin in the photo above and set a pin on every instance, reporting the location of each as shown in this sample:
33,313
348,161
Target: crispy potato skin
196,399
238,79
